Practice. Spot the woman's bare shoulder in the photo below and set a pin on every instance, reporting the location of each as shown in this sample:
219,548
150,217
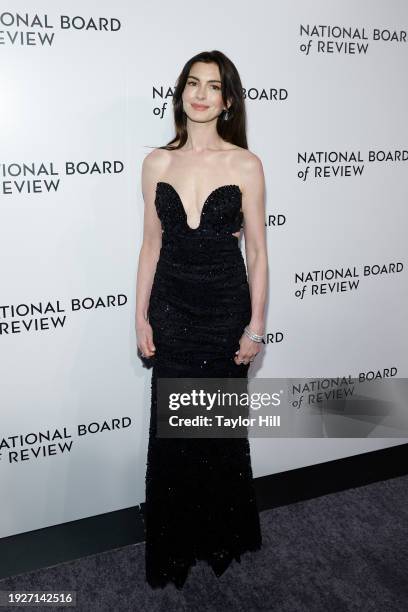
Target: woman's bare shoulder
248,161
155,158
155,163
246,155
249,170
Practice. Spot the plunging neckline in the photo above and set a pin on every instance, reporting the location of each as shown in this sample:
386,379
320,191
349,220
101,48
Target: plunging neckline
207,199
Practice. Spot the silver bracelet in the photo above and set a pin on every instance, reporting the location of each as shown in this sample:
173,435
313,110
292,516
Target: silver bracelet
255,337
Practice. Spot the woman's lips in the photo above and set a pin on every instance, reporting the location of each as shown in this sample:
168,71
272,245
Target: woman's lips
199,107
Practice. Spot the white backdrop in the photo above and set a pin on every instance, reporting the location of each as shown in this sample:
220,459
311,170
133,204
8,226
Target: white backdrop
93,100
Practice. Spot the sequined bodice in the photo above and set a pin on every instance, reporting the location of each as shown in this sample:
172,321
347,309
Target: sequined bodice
221,212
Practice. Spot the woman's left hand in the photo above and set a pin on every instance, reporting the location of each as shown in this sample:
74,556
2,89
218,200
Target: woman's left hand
248,350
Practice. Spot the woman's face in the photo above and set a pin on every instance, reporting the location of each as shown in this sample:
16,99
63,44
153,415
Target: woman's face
202,99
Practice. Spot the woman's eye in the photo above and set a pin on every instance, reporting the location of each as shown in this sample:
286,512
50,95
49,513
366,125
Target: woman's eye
217,87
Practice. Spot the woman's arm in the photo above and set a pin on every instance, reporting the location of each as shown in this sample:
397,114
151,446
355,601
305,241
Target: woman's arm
255,240
149,252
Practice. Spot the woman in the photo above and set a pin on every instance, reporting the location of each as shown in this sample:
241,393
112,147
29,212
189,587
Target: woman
197,316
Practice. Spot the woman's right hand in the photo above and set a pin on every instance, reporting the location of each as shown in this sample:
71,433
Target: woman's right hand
144,338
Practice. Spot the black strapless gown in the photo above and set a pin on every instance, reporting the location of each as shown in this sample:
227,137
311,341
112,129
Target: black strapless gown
200,499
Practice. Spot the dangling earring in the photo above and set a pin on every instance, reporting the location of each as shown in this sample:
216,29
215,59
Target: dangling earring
226,115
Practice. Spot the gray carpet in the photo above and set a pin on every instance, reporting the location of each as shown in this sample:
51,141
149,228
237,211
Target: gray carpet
341,552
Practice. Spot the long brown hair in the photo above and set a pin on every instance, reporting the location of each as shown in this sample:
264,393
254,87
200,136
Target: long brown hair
231,130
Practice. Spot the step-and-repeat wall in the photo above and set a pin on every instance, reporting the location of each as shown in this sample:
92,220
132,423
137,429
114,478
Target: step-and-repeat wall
85,92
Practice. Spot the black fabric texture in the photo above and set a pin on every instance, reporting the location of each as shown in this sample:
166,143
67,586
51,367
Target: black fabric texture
200,499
